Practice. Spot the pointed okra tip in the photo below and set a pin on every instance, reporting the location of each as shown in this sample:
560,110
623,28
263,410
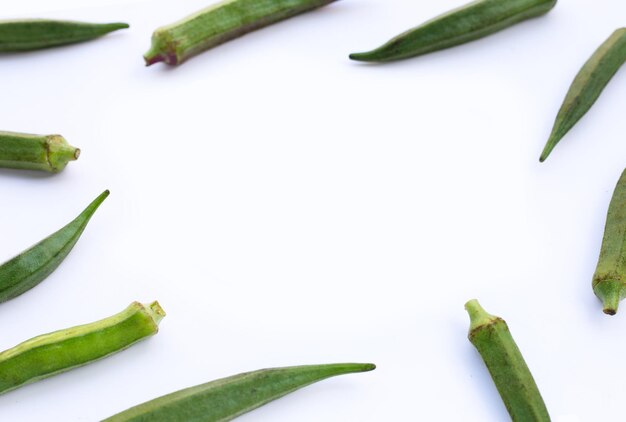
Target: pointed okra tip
366,367
119,25
367,56
99,200
478,316
610,292
93,206
113,26
555,137
546,151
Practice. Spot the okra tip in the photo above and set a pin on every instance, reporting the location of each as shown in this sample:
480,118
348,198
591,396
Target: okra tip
107,28
114,26
366,367
546,151
478,316
95,204
361,57
100,199
610,292
384,53
120,25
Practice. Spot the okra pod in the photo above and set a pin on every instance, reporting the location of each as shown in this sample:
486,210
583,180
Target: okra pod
32,266
467,23
221,22
492,338
35,152
226,398
587,87
35,34
60,351
609,280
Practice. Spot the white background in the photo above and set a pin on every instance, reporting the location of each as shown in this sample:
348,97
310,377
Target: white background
288,206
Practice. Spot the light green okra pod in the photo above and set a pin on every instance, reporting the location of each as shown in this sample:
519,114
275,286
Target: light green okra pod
492,338
225,399
32,266
22,151
60,351
467,23
587,87
609,280
221,22
35,34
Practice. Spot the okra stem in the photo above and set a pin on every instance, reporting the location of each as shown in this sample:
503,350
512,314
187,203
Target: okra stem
60,351
218,23
609,279
492,338
23,151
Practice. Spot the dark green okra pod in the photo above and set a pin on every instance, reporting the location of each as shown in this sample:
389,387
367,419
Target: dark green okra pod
609,280
226,398
35,152
587,87
221,22
492,338
35,34
32,266
467,23
60,351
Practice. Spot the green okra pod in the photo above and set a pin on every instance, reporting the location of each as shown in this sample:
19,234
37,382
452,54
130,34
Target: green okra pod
35,34
221,22
587,87
467,23
492,338
609,280
60,351
226,398
32,266
35,152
